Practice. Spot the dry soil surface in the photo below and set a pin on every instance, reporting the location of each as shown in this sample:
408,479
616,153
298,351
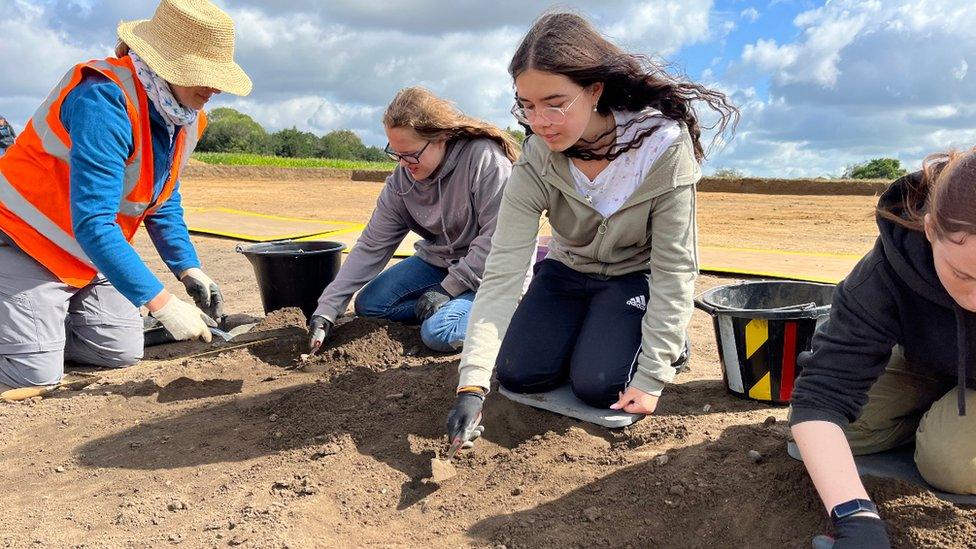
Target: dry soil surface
255,448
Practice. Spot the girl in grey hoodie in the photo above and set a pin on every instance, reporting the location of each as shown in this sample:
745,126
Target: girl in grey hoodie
447,189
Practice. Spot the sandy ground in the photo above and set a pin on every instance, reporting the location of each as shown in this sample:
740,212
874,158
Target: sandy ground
252,448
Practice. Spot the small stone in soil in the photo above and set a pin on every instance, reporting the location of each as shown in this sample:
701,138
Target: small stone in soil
516,491
394,396
662,459
707,408
769,421
273,418
176,505
755,456
677,490
592,514
59,469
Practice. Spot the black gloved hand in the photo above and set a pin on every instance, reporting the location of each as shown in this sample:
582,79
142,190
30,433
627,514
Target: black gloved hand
319,331
204,291
861,532
432,300
464,421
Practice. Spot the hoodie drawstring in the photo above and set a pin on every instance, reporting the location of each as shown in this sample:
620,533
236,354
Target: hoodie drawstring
961,359
447,237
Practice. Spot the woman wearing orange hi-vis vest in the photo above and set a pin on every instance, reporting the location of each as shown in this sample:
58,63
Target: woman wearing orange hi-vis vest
100,158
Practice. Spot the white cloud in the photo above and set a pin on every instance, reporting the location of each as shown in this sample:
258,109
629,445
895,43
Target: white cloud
750,14
767,56
861,80
960,70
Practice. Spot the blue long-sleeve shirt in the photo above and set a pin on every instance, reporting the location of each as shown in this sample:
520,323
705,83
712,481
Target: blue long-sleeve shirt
101,140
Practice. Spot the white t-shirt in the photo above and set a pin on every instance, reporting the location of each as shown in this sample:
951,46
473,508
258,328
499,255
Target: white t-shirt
614,185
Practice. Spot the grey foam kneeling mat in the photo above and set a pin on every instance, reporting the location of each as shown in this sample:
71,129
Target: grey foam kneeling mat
562,401
898,463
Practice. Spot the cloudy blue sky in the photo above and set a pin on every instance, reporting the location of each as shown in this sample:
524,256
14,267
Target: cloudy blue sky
821,84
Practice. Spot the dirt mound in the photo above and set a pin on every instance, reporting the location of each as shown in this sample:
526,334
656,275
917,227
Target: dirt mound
282,318
372,343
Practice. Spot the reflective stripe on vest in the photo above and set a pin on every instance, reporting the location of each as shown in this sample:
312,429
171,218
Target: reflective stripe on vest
55,147
28,212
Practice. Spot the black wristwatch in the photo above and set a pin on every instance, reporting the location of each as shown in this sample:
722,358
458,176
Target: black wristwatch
852,507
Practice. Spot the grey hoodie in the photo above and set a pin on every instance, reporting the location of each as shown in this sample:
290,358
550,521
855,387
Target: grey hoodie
454,211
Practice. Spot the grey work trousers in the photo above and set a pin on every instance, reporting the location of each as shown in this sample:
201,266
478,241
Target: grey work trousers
44,321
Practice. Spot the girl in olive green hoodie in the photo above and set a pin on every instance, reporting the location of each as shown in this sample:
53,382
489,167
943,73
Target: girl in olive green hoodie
612,161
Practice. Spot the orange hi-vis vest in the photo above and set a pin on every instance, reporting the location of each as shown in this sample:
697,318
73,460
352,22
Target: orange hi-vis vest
35,200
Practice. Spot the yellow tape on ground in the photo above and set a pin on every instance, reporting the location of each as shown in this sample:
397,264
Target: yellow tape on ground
258,227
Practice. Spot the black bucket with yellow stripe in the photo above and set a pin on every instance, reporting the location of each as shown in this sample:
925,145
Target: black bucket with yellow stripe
761,327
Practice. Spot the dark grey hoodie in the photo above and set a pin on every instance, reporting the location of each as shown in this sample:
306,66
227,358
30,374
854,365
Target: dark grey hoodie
454,211
893,296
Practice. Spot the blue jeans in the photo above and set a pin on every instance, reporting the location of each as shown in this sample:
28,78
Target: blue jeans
393,294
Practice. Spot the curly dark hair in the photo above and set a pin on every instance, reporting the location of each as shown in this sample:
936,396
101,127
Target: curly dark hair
567,44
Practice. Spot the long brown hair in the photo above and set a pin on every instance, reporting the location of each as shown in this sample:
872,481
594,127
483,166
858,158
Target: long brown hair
436,119
567,44
946,190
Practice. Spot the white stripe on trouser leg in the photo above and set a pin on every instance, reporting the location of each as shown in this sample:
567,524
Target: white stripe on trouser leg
633,368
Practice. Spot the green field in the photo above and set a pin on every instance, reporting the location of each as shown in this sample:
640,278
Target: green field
243,159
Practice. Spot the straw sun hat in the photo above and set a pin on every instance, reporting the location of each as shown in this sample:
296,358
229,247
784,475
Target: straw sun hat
188,43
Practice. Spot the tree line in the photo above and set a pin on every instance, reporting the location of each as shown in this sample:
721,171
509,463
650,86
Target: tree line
231,131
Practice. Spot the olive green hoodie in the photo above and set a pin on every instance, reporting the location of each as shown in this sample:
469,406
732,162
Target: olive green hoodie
653,231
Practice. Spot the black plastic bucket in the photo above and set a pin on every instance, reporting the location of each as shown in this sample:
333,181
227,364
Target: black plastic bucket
760,328
293,274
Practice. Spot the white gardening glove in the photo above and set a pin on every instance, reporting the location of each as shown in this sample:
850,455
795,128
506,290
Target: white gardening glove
204,291
184,321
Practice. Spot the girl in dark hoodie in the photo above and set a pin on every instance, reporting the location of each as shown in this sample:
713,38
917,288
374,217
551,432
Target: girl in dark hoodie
447,189
892,363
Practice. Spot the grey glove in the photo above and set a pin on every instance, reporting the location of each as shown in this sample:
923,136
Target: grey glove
432,300
204,291
319,331
464,421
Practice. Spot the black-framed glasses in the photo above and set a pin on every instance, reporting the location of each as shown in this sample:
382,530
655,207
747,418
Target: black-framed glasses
409,158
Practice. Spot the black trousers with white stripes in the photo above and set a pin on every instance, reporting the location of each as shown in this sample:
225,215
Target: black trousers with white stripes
576,328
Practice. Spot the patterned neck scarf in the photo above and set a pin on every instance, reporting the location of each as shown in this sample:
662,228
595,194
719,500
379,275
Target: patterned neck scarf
162,97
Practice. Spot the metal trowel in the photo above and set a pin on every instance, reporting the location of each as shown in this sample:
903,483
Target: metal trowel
443,469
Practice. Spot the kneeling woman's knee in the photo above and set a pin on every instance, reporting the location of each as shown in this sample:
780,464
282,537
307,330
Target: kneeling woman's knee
123,358
596,392
441,337
32,369
522,376
945,450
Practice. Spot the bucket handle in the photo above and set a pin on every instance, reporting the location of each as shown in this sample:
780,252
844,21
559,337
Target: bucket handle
699,304
240,247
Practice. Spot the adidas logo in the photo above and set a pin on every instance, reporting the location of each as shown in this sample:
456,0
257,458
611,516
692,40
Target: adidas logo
638,302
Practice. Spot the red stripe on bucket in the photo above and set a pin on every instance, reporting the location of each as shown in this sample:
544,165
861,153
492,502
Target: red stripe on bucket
789,362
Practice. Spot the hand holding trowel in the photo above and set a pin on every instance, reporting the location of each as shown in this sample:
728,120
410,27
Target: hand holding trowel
463,428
